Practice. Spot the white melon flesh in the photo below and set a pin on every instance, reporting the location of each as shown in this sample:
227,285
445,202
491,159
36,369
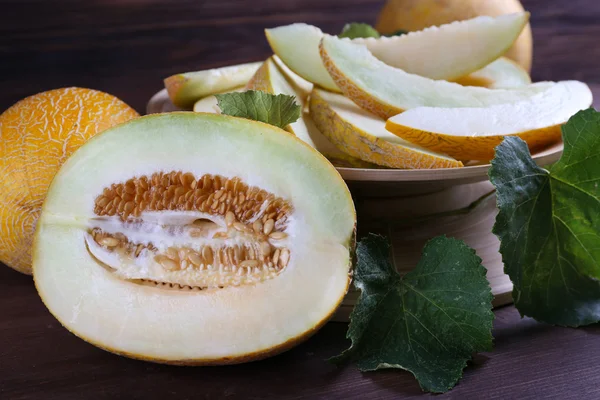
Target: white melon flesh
387,91
449,51
272,79
446,52
187,88
363,135
473,133
297,45
210,104
501,74
183,316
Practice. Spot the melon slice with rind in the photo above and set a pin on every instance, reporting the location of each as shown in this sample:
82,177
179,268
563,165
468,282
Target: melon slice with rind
387,91
363,135
271,79
474,133
449,51
500,74
139,282
446,52
187,88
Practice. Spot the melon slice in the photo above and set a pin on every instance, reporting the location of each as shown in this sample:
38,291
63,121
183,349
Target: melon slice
387,91
210,105
271,79
174,239
446,52
363,135
187,88
473,133
449,51
501,74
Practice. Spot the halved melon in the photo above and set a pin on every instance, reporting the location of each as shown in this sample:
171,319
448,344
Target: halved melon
387,91
187,88
501,74
271,79
446,52
174,239
474,133
363,135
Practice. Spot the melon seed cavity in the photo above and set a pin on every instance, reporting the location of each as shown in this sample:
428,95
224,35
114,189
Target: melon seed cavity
173,230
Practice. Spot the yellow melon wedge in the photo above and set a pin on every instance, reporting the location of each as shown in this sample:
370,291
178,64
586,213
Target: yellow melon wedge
387,91
501,74
446,52
271,79
473,133
187,88
363,135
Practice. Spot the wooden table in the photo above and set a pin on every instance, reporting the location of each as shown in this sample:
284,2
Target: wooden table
126,47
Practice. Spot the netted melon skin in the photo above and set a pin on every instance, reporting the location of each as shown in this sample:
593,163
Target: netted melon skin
37,135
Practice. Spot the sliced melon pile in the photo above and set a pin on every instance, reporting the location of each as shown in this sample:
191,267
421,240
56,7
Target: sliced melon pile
175,239
430,99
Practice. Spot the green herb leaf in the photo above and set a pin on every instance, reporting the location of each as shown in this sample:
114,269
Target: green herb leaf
358,30
279,110
428,322
549,225
399,32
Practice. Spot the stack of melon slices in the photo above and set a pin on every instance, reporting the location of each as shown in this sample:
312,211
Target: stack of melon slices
430,99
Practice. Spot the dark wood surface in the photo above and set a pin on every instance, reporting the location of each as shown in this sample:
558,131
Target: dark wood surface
126,47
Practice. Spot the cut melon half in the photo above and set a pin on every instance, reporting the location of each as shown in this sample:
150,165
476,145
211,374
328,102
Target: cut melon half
363,135
387,91
174,239
501,74
474,133
187,88
271,79
446,52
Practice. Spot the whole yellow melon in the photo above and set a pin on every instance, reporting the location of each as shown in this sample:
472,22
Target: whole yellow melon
37,135
415,15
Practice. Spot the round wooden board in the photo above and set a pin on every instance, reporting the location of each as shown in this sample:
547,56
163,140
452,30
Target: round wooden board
406,205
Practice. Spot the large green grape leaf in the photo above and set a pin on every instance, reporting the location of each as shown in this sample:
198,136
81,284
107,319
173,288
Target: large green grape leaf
429,322
549,225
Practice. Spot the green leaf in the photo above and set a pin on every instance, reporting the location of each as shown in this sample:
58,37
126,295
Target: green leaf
428,322
549,225
358,30
279,110
399,32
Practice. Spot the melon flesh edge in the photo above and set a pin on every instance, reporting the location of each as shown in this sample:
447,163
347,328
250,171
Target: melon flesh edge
550,107
184,89
500,74
466,46
387,91
210,104
297,45
363,135
213,324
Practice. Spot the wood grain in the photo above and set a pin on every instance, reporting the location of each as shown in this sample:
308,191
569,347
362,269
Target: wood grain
126,47
41,360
